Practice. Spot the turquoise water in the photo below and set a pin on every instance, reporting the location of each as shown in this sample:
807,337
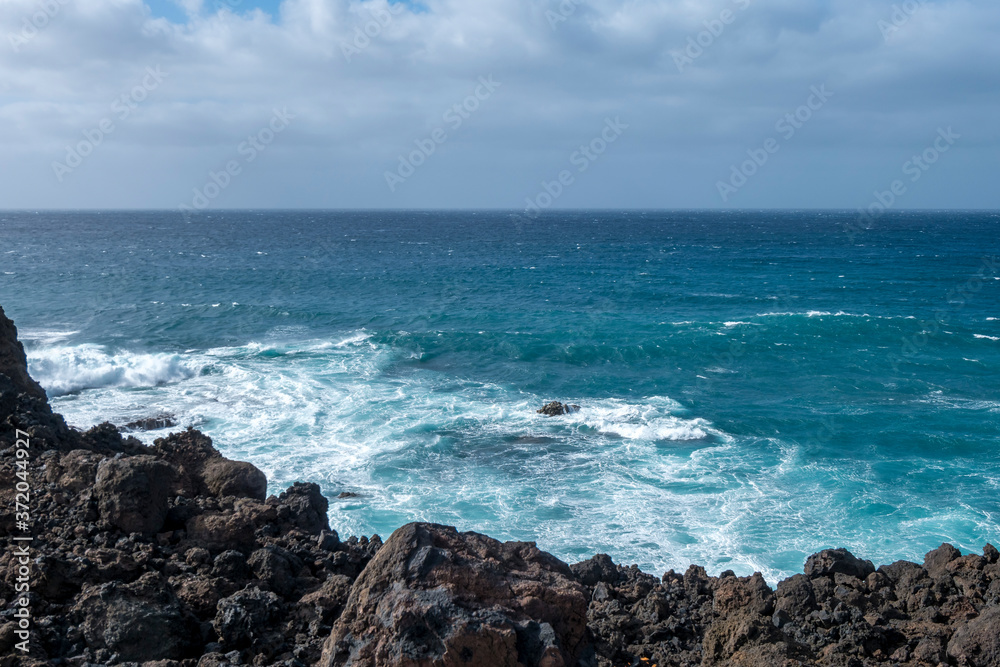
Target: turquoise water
755,386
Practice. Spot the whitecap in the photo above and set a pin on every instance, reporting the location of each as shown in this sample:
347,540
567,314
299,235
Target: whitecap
63,370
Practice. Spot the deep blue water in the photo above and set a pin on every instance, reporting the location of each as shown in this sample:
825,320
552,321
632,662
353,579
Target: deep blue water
755,386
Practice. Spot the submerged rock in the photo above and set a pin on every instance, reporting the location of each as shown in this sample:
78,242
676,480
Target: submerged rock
555,408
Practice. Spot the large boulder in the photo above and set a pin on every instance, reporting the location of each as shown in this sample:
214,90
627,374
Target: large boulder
977,644
132,493
434,596
837,561
303,506
246,616
204,471
140,621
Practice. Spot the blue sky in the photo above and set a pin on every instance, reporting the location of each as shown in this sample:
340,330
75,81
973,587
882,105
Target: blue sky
499,104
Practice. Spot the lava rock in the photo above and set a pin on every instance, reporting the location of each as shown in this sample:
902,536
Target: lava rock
831,561
133,493
151,423
142,621
246,616
433,595
555,408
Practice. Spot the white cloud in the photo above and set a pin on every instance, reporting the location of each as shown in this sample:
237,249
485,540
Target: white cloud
229,69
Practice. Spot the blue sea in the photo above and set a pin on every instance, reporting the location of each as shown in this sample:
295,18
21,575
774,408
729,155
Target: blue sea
754,386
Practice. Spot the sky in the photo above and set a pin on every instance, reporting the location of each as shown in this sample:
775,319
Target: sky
514,104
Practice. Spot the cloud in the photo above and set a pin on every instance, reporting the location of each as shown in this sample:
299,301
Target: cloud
366,80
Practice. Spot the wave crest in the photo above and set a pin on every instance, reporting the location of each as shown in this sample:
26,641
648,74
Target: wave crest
66,370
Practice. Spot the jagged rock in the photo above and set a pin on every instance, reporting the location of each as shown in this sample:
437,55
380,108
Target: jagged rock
246,616
599,568
141,621
433,595
75,470
977,644
231,565
275,567
555,408
936,562
132,493
13,362
151,423
831,561
304,507
204,471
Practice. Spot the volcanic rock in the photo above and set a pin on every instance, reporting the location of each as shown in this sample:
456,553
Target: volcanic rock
555,408
434,596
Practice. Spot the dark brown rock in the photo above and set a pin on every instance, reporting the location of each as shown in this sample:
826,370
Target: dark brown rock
246,617
831,561
223,477
151,423
435,596
977,644
304,507
141,621
204,471
936,562
555,408
132,493
13,362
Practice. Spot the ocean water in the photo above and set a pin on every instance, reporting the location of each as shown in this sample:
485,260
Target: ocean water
755,386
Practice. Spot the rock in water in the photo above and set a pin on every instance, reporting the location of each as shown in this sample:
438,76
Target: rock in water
555,408
434,596
151,423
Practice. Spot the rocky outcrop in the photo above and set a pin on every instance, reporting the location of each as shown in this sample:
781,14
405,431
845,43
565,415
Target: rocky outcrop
13,362
172,556
555,408
151,423
434,596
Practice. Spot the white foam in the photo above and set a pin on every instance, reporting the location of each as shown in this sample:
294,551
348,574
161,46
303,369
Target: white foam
63,370
986,337
44,336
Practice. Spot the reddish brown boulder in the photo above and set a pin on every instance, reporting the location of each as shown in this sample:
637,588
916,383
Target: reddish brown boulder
977,644
434,596
132,493
204,471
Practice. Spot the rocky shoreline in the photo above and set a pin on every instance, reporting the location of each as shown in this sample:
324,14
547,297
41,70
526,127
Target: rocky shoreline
172,556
